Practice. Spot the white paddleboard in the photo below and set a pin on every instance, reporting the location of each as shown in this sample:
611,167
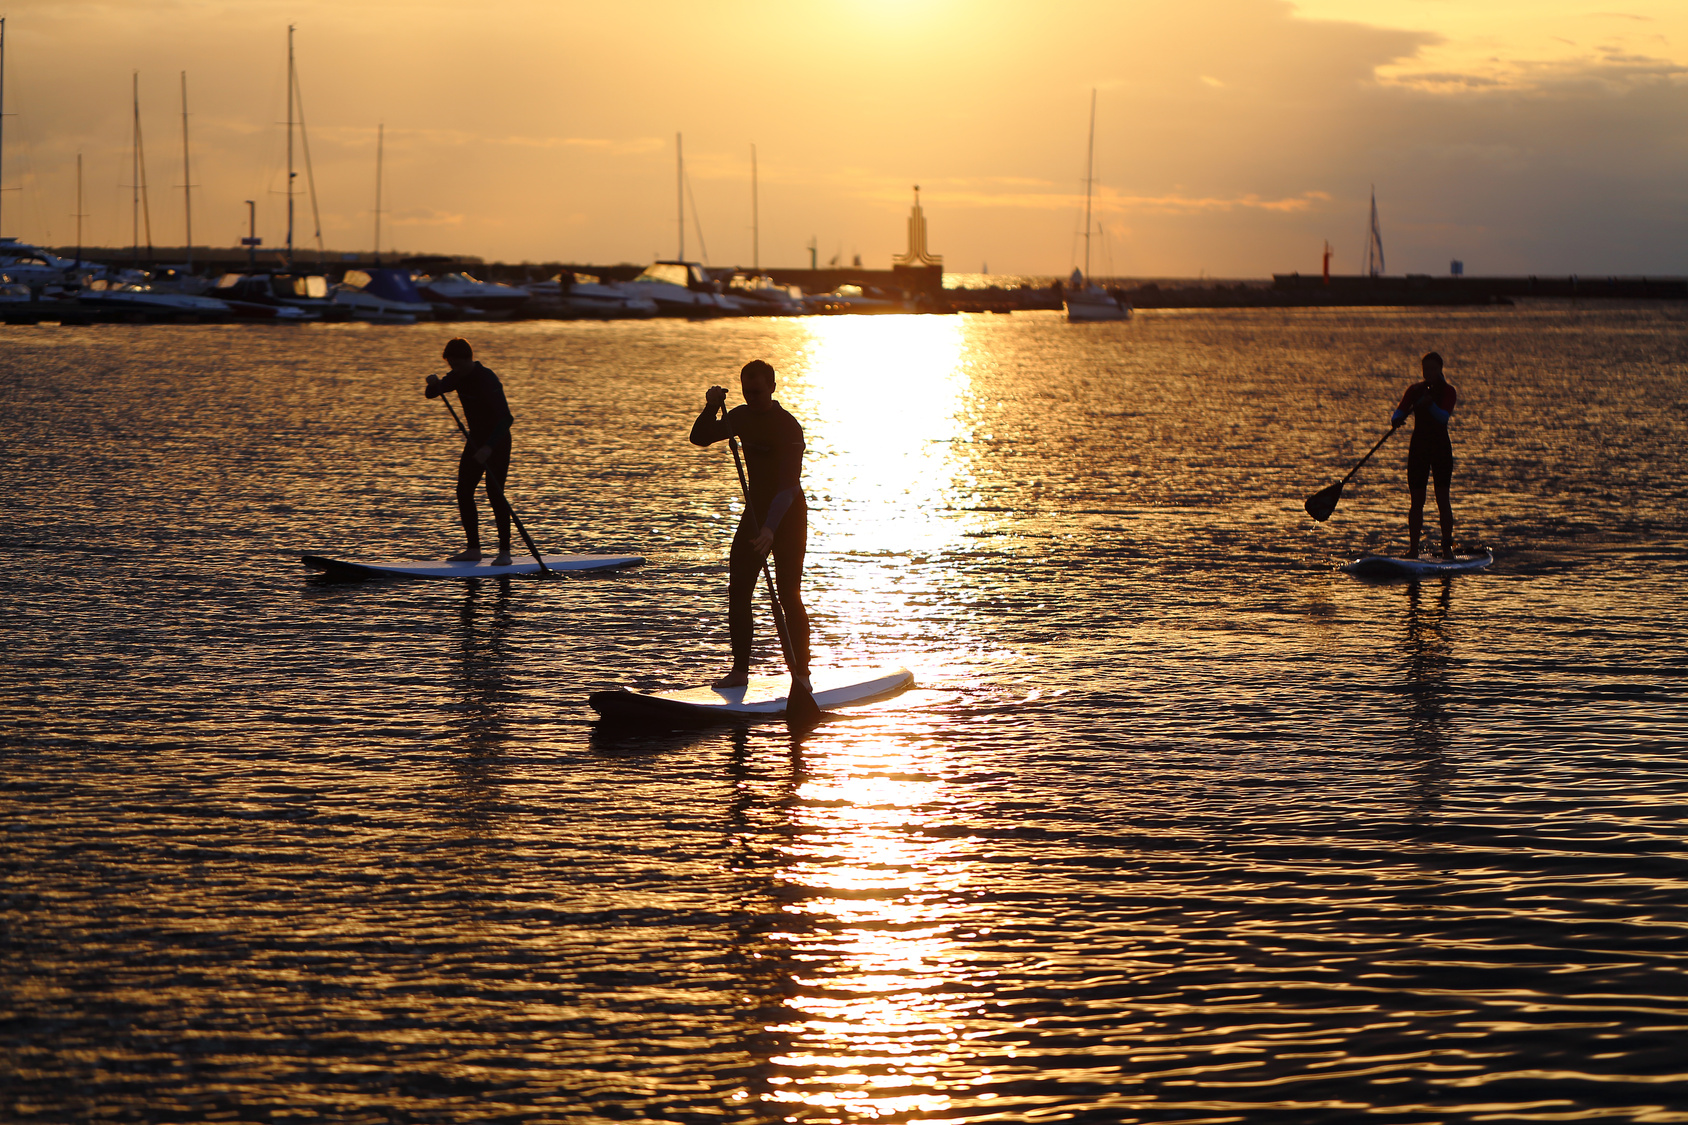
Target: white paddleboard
411,568
1388,566
763,698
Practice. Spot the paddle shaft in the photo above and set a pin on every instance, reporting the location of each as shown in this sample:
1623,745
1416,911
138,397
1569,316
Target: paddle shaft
514,518
1416,402
767,573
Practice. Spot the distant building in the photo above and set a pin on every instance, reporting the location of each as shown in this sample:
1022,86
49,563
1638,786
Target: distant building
918,271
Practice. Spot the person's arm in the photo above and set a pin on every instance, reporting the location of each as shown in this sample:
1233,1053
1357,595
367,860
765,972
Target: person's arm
1434,402
1408,402
708,429
438,386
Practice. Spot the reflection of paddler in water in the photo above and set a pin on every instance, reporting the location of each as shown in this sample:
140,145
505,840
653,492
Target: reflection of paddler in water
1429,655
1430,402
485,451
482,684
776,518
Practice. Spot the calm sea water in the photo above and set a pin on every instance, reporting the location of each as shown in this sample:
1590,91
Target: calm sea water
1181,824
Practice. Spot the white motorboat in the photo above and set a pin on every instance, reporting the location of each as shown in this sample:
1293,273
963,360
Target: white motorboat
285,297
467,296
384,295
762,296
581,296
129,301
855,299
30,265
677,289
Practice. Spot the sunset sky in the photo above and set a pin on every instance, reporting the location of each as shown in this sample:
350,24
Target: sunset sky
1233,136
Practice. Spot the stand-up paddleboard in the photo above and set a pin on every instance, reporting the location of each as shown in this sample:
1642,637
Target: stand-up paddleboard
1387,566
409,568
762,698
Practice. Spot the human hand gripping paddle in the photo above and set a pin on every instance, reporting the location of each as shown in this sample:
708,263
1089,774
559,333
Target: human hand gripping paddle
802,713
514,518
1322,503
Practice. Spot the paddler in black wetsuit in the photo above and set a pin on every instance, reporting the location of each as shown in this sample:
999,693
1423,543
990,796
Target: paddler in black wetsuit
1431,403
487,450
776,519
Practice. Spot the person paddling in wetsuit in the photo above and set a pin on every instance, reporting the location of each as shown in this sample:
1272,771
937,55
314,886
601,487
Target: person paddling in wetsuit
487,450
1431,403
776,519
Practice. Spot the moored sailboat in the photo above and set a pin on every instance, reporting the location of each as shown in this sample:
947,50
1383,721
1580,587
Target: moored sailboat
1087,301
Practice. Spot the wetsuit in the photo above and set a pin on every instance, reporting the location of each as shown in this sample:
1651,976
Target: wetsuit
1430,451
488,417
773,458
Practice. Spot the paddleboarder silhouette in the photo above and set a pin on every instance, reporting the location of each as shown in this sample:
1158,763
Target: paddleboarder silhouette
1431,402
776,515
486,445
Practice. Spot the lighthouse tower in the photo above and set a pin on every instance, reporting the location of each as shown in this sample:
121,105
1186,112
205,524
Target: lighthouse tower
918,271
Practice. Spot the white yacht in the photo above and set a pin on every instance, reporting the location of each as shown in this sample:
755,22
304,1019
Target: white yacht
127,300
1088,301
582,296
677,289
384,295
464,295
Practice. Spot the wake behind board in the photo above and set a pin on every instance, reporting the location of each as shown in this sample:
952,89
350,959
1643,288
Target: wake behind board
410,568
1387,566
763,698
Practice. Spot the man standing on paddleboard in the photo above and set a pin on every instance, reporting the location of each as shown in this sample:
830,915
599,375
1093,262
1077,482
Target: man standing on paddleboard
485,451
1431,403
775,519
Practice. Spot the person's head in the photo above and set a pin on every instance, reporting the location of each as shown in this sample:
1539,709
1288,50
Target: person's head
1432,365
756,380
458,353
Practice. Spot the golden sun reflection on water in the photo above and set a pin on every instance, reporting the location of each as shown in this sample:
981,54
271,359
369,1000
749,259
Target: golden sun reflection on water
889,407
881,1028
884,401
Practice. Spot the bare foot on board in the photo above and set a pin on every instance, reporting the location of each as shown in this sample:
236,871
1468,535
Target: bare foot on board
501,559
473,554
732,679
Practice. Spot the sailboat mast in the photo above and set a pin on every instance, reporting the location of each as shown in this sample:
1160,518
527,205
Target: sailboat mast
380,144
1089,168
3,108
79,213
135,173
680,191
290,172
755,218
187,175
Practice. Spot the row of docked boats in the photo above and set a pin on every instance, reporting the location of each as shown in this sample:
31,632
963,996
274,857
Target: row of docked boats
35,284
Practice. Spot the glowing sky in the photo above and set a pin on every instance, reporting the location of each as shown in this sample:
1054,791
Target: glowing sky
1233,136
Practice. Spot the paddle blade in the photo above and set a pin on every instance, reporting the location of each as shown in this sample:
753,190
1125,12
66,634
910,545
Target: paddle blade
802,713
1323,502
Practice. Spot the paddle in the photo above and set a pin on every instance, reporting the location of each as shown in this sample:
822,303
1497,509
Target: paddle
1323,502
514,518
801,710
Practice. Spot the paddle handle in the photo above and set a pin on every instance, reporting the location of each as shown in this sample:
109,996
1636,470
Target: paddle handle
514,518
767,574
